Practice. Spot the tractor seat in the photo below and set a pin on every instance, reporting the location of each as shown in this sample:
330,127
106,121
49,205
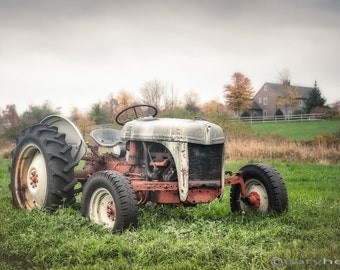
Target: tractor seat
106,137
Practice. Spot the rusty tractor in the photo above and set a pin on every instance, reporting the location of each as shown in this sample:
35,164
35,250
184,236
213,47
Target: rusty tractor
159,160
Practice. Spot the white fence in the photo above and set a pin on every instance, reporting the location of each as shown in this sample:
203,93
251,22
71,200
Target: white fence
279,118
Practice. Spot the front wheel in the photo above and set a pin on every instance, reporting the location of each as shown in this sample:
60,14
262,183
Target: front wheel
109,200
265,186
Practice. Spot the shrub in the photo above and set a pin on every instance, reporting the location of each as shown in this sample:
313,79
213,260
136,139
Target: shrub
331,114
299,112
245,114
278,112
327,139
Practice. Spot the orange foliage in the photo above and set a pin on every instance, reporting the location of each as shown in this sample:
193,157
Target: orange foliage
125,99
239,94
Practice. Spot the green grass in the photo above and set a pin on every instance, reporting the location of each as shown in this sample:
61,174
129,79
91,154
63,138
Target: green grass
305,130
203,237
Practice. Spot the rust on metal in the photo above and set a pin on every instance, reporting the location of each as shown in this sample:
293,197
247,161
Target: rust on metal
234,180
34,178
253,200
111,211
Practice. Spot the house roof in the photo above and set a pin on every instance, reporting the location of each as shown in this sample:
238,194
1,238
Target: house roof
278,89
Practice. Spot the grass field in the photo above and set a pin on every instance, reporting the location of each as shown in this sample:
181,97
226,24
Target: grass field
202,237
305,130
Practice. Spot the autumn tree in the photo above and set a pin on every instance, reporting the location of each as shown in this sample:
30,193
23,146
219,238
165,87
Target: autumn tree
9,116
170,99
290,97
238,94
152,93
212,107
118,103
124,100
110,105
191,100
315,99
12,124
9,121
283,76
336,106
83,123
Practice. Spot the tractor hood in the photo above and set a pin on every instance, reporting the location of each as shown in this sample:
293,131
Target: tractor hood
172,130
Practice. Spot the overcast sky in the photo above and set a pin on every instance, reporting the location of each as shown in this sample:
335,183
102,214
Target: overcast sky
76,53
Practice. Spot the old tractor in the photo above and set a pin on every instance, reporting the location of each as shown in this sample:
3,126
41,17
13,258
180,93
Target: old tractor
160,160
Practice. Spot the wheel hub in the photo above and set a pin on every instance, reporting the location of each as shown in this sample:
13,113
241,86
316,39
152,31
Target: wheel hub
256,197
111,211
253,199
34,178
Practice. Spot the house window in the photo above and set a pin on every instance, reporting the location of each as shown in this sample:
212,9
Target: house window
260,100
265,113
265,101
301,103
265,88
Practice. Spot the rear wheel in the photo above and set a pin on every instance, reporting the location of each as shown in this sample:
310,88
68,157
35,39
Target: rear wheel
109,199
42,170
264,187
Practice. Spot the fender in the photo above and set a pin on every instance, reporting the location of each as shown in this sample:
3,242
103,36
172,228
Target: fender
73,135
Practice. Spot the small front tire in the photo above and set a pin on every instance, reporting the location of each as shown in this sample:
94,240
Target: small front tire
109,200
263,183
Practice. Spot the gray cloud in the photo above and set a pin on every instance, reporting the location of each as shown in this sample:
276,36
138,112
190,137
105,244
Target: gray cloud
66,48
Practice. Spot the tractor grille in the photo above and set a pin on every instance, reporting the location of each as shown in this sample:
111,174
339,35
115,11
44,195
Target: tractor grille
205,162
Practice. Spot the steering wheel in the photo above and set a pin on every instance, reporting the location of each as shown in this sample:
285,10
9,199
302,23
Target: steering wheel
134,112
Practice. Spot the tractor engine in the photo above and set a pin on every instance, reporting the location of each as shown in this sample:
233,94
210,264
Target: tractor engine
190,152
156,159
166,160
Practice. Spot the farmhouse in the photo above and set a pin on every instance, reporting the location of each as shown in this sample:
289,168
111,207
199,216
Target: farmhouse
273,96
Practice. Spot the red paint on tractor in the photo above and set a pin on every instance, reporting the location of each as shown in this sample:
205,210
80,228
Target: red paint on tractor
236,180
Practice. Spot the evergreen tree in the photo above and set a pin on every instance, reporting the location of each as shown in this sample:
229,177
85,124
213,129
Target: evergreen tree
315,99
99,115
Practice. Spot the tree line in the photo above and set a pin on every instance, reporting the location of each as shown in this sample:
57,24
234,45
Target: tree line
237,98
103,112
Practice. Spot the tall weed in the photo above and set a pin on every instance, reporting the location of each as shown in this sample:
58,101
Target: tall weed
274,147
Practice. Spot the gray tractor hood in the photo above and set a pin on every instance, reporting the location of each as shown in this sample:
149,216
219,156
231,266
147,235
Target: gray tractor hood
172,130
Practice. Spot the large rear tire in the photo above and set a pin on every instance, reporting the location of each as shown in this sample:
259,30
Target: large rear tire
266,184
109,200
42,170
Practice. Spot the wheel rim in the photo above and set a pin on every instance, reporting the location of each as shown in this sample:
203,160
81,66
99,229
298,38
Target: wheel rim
102,208
31,175
255,187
